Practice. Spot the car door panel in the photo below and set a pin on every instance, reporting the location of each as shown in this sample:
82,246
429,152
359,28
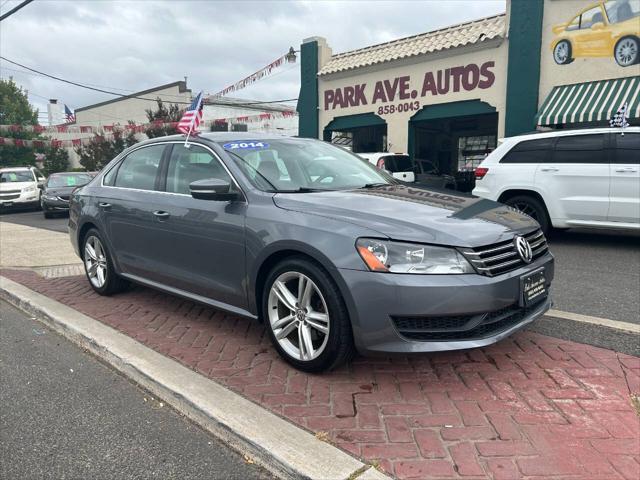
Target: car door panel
201,242
625,179
576,180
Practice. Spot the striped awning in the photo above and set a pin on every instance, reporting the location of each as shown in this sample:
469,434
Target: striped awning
590,102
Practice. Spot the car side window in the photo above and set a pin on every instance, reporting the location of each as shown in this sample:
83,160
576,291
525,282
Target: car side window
627,148
590,17
574,24
187,165
140,168
530,151
580,149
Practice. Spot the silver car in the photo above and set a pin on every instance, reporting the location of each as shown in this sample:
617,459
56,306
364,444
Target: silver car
331,254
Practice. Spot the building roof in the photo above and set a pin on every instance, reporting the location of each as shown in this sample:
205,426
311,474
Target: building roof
459,35
182,88
248,104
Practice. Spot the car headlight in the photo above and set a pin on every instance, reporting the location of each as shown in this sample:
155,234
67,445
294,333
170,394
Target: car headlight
30,188
400,257
49,197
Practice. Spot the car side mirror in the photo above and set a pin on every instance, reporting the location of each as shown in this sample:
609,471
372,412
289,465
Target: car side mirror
212,189
597,26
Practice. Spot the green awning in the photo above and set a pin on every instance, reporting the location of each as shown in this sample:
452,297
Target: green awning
348,122
590,102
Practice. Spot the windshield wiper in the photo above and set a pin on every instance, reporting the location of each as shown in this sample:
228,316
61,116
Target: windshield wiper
302,190
367,186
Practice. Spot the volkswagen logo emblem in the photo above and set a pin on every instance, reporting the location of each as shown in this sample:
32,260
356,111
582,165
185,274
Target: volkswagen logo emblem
523,248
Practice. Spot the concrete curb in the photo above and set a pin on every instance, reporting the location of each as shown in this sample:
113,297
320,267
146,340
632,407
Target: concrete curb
272,442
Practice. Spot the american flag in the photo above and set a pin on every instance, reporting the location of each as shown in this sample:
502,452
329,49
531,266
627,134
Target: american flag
192,117
69,115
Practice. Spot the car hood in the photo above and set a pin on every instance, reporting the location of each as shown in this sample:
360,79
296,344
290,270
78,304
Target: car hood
10,186
60,190
415,214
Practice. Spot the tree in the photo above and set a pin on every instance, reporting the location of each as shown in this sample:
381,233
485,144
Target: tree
15,109
100,150
55,160
163,114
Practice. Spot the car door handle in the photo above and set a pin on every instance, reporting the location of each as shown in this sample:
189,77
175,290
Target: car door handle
626,169
161,214
549,169
104,206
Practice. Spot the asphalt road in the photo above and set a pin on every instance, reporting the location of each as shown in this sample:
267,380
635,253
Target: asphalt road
65,415
35,218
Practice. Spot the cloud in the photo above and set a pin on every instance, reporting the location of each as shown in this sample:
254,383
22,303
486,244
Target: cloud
136,45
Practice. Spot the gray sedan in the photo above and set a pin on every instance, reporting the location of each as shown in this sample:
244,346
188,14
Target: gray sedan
331,254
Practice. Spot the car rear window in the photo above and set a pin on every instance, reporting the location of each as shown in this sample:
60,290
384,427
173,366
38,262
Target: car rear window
397,163
627,148
530,151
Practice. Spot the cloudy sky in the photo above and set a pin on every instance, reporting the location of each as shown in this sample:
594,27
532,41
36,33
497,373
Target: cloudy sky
128,46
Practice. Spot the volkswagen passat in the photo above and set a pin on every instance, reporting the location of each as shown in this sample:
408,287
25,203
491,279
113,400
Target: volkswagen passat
331,254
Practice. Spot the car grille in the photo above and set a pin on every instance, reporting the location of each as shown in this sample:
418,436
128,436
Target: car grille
462,327
5,196
502,257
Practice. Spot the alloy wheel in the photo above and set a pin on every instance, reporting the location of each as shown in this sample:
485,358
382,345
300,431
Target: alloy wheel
626,52
561,52
526,209
298,316
95,261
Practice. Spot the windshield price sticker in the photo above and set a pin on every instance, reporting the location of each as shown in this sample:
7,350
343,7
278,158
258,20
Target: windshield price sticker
244,145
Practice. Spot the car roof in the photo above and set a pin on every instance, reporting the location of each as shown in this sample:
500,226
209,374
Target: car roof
564,133
15,169
217,137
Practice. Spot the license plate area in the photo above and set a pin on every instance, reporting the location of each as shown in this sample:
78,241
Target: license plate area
533,288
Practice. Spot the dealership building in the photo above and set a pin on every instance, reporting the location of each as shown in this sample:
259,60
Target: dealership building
445,97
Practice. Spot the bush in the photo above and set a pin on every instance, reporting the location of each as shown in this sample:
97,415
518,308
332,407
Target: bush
102,150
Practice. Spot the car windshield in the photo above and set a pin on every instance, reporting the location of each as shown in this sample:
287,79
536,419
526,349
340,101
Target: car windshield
300,165
68,180
19,176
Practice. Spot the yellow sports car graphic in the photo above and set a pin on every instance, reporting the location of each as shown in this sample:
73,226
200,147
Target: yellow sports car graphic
607,28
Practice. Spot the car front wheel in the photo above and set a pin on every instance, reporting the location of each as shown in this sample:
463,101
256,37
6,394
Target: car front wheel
99,266
627,51
562,53
305,316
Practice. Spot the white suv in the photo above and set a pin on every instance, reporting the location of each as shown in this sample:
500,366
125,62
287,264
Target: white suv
568,178
19,187
397,164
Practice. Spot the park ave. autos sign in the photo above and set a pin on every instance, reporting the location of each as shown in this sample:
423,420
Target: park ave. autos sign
397,95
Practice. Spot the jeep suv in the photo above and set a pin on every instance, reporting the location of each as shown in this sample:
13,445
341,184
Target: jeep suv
568,178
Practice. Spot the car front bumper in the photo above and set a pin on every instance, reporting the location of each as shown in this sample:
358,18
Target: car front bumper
19,199
407,313
54,205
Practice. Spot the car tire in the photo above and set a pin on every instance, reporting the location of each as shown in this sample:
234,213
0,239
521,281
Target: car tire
562,52
530,205
322,308
627,51
104,280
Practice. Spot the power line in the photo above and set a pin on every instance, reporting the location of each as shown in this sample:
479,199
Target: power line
123,95
15,9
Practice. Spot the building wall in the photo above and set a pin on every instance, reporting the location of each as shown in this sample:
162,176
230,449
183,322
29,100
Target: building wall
412,73
582,69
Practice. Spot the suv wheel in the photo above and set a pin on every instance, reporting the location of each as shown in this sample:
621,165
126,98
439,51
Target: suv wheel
305,316
533,207
562,52
98,265
627,51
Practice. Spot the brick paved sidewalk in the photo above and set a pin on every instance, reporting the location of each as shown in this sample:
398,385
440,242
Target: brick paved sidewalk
530,406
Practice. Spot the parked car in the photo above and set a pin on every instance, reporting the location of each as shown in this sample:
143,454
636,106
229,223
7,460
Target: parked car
399,165
341,259
608,28
568,178
19,187
57,190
